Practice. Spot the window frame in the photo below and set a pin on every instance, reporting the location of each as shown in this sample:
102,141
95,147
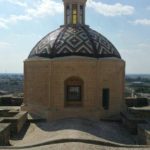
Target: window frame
105,98
73,82
80,96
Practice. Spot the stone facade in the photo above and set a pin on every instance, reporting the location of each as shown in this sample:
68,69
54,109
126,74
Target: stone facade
44,88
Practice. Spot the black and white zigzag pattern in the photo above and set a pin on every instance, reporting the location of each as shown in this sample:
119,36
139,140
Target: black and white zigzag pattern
70,40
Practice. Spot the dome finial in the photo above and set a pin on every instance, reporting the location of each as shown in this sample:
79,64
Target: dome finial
74,12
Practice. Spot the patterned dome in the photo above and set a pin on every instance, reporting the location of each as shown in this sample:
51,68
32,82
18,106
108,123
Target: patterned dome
74,41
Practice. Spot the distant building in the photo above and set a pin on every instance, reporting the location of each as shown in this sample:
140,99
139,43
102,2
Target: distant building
74,71
3,92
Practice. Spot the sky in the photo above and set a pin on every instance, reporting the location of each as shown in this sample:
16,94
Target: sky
126,23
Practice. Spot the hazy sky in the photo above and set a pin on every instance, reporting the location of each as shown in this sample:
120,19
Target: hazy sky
126,23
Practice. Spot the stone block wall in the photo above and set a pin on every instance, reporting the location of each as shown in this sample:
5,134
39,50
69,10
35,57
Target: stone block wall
44,88
4,134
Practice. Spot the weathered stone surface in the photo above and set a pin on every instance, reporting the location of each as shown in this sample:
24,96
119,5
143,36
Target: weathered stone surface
17,120
10,100
1,119
44,88
4,134
3,112
75,128
131,122
79,146
136,102
144,134
141,112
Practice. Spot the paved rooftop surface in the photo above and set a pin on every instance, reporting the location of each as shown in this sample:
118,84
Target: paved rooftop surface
79,146
73,129
41,136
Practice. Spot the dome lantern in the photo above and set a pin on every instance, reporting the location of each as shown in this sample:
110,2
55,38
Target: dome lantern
74,12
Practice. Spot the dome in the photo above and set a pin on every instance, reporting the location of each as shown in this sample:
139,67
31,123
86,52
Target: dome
79,40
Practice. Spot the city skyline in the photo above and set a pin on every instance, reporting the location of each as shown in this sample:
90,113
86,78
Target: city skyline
125,23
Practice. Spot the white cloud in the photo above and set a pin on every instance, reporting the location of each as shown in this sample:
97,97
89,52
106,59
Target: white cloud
13,19
43,8
3,25
145,22
4,45
46,7
16,2
111,10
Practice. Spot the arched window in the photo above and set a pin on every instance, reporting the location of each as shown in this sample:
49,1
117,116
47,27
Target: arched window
81,14
74,14
68,14
73,91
